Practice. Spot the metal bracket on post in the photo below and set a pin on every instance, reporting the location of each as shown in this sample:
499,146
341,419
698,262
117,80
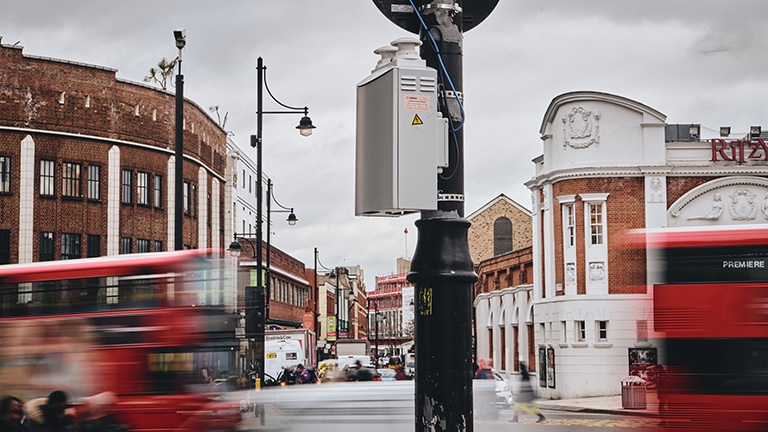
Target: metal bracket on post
450,197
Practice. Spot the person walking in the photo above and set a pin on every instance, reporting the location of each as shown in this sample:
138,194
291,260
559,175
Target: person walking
525,396
11,415
50,414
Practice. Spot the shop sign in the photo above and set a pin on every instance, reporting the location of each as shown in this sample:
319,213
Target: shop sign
739,150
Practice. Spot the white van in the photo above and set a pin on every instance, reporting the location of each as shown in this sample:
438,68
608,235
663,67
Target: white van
281,354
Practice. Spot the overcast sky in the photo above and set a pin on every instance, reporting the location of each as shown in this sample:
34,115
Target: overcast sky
696,61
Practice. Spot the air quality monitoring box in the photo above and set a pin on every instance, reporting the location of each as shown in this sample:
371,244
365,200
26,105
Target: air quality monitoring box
401,139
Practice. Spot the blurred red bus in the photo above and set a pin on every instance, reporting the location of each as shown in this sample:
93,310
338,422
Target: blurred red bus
712,306
135,325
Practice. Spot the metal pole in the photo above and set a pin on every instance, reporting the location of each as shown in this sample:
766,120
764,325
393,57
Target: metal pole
256,142
268,272
442,270
376,306
178,216
317,312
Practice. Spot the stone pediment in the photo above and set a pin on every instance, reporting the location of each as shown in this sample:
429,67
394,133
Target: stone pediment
724,201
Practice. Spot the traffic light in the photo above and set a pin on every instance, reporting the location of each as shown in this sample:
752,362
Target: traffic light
255,317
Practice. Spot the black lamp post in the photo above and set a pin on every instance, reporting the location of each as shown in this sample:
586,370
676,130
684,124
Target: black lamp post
305,128
291,221
178,215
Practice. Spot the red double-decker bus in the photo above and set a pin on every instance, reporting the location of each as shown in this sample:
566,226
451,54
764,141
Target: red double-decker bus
711,305
135,325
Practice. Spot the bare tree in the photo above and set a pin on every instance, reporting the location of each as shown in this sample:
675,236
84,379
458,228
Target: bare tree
161,74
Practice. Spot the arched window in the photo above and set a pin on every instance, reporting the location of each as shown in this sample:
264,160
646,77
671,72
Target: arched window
502,236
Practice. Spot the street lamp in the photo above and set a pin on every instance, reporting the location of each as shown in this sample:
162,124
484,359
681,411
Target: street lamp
180,35
291,221
305,128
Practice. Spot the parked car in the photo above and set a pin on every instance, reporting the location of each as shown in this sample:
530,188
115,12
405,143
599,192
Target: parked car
386,374
362,373
503,390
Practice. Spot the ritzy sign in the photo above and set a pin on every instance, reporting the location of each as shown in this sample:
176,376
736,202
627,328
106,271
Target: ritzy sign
739,150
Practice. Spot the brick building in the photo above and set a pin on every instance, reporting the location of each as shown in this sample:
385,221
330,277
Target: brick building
611,164
500,226
87,164
500,242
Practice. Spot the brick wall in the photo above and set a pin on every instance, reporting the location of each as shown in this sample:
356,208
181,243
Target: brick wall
97,104
480,233
625,210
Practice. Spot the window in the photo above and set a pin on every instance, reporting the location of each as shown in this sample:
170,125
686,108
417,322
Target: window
563,332
142,188
602,331
158,246
193,210
127,197
5,246
125,245
186,198
243,179
94,246
70,246
70,179
142,246
596,223
46,246
46,178
158,191
581,331
642,331
94,182
5,174
502,236
570,225
250,184
543,328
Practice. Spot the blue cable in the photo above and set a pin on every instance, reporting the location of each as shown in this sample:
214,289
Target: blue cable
440,59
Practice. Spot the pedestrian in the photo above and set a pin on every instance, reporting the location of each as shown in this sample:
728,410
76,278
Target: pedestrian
524,398
98,415
483,370
50,414
11,415
400,374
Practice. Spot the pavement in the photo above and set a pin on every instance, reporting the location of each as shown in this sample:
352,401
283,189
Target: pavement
605,405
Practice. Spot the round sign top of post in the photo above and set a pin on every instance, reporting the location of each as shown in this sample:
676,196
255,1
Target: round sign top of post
401,12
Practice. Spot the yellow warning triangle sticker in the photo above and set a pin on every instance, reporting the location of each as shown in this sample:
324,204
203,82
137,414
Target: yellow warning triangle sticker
416,120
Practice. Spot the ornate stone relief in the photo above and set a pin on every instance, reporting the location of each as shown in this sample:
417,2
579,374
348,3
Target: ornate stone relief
596,272
581,128
735,199
743,205
655,191
712,214
570,273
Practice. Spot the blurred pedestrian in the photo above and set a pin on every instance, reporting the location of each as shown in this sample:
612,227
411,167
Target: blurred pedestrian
10,415
483,370
525,397
400,374
98,415
50,414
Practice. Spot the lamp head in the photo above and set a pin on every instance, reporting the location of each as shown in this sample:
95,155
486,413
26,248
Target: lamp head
181,37
725,131
755,131
292,219
235,249
305,126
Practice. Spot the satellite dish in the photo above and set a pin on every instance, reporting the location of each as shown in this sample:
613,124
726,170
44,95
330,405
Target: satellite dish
401,12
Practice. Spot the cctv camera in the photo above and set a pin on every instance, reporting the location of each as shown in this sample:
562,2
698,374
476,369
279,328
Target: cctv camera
180,35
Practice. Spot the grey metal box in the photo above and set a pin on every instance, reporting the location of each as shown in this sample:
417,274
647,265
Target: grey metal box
397,146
